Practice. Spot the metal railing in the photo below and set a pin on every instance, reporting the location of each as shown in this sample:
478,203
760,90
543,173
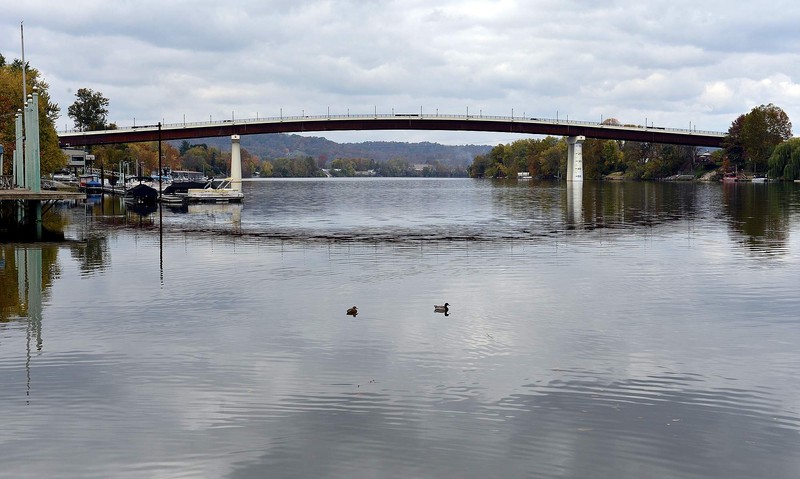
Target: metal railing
6,182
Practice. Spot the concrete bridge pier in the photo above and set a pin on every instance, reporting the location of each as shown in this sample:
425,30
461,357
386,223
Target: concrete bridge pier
575,158
236,163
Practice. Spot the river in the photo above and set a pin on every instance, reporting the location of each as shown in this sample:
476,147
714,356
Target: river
603,330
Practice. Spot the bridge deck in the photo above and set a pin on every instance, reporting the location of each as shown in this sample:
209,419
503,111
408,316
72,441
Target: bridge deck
395,121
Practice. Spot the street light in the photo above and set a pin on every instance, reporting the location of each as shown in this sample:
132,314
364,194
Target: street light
160,173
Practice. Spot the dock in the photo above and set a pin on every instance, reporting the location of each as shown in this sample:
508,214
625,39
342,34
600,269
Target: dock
23,194
21,213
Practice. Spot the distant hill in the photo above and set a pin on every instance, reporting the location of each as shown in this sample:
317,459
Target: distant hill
281,145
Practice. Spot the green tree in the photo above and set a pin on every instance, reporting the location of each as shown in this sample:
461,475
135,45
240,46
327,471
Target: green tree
635,155
282,168
752,138
394,167
785,160
201,158
553,160
90,110
592,158
479,166
611,157
539,157
184,147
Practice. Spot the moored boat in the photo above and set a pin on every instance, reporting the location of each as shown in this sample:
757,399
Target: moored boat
63,177
141,194
223,193
90,183
183,181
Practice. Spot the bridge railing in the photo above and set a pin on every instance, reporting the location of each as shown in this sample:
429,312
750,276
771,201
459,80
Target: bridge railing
409,116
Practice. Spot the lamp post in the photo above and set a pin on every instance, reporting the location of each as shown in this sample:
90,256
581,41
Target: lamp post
160,172
159,153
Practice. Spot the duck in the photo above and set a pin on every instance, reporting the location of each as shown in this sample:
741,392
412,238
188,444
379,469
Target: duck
352,312
444,308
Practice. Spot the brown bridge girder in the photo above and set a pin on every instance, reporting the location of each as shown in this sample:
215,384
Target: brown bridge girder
402,122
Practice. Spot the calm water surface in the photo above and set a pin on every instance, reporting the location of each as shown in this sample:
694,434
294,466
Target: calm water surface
609,330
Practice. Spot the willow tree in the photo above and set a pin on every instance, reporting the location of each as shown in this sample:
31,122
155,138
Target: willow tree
785,160
11,101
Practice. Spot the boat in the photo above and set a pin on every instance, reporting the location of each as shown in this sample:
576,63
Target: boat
90,183
183,181
63,177
222,193
759,179
141,194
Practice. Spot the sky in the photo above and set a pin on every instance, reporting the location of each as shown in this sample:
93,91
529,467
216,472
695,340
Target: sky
676,64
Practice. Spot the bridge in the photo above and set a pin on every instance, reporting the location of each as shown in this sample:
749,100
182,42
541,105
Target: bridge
575,131
394,121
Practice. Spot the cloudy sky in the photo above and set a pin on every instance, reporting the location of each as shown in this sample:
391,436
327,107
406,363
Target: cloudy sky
672,63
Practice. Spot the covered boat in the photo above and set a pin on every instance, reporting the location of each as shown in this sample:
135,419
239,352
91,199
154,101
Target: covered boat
141,194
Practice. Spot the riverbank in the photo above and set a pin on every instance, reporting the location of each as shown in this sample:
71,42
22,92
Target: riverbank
709,177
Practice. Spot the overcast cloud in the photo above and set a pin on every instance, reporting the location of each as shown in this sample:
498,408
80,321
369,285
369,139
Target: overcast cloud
672,63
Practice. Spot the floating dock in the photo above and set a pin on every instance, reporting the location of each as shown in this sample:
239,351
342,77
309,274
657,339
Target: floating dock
21,213
22,194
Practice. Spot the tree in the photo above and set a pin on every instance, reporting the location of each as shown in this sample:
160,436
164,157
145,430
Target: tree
752,138
266,168
611,156
541,158
611,122
479,166
785,160
553,160
250,163
184,147
592,158
51,157
89,112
